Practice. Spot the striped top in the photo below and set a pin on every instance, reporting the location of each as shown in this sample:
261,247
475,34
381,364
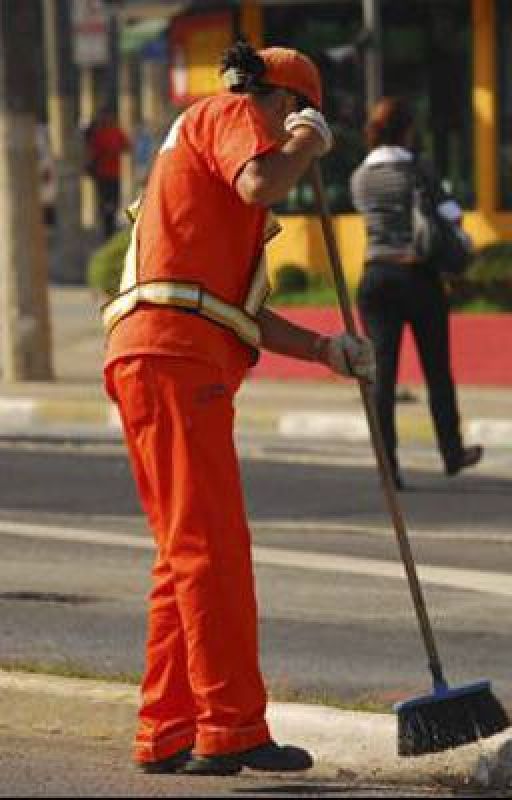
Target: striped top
381,190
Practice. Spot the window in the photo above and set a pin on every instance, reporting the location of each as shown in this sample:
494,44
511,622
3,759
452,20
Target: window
316,29
426,49
427,55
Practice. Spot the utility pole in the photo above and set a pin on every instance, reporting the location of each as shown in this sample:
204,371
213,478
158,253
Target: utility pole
26,339
373,54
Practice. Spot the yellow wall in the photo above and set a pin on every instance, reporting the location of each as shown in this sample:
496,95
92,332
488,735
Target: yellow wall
301,243
484,103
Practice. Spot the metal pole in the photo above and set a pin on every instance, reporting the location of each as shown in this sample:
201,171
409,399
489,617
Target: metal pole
373,54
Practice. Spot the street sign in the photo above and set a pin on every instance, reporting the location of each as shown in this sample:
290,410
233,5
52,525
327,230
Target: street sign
89,20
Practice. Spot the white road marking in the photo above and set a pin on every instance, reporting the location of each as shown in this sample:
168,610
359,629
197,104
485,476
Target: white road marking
495,463
319,526
497,583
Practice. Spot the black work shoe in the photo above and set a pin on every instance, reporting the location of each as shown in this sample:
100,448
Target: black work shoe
167,765
468,457
271,757
212,765
268,757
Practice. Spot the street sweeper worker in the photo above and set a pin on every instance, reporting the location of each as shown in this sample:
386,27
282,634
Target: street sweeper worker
182,334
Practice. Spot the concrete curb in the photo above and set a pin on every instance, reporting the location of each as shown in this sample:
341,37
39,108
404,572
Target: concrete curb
18,415
359,745
353,427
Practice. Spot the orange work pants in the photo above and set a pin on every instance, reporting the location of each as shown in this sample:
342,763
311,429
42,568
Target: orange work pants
202,684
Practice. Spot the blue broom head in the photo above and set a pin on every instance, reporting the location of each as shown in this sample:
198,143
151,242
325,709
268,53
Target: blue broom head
448,718
440,693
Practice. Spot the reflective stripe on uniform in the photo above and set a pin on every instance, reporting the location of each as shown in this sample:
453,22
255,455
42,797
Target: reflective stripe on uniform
183,295
179,294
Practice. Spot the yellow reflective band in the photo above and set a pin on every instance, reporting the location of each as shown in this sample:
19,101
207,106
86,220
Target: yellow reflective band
183,295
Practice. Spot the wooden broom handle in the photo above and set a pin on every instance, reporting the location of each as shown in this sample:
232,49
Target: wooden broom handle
375,432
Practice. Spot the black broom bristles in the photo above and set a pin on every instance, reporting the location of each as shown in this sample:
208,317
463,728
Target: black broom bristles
443,722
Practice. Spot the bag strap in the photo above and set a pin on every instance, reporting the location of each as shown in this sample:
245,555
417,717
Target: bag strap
429,183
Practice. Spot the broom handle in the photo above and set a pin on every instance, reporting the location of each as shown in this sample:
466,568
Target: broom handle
376,435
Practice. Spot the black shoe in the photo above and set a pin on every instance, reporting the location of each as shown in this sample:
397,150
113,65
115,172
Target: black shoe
468,457
271,757
267,757
168,766
212,765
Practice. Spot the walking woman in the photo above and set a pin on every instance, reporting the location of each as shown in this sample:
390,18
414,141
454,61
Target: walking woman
397,288
183,332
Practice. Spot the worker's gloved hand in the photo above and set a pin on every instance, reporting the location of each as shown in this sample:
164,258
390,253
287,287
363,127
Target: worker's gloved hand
311,118
352,356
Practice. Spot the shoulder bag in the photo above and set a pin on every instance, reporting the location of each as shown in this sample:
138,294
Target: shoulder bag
437,241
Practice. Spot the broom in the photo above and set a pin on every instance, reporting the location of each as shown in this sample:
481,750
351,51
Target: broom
448,717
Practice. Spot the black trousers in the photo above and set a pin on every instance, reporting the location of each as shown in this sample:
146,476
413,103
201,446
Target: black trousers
109,195
390,297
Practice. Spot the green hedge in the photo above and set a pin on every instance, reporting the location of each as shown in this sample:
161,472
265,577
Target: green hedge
487,285
106,263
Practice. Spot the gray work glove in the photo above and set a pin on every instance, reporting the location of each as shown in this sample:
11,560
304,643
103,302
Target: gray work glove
351,356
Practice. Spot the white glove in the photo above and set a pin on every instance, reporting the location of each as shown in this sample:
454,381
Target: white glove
311,119
352,356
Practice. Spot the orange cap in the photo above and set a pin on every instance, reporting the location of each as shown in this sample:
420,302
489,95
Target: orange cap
292,70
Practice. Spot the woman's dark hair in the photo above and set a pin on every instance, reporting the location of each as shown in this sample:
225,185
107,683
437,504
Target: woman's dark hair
389,121
246,70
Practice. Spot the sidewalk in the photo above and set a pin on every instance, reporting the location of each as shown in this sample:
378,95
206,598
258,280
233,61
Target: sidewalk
289,407
357,746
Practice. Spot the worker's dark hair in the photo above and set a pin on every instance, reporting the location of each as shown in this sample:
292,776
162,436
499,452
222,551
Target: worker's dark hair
389,121
246,69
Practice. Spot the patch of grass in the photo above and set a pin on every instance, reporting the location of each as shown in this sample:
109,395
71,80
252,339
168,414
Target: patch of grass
67,669
480,305
278,691
312,296
282,692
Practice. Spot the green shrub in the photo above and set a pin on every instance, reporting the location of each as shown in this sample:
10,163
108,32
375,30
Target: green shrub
492,263
487,285
291,278
106,263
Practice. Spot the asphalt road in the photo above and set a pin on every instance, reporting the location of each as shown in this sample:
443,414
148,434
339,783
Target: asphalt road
334,624
40,767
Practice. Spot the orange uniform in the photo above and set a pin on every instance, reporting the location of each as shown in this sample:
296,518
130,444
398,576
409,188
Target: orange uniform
173,375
